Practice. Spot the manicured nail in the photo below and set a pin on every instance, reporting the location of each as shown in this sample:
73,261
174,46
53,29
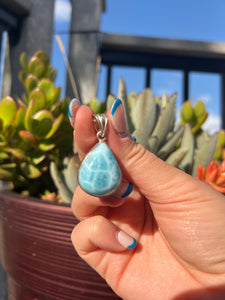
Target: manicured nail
134,138
118,118
127,189
74,103
126,240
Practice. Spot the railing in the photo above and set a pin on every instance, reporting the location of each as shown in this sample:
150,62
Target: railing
149,53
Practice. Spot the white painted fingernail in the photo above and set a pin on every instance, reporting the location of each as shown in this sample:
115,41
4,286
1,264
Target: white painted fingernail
126,240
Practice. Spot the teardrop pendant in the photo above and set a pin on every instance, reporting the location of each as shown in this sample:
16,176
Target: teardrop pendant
99,173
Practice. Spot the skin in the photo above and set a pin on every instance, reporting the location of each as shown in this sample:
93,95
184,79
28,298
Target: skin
177,220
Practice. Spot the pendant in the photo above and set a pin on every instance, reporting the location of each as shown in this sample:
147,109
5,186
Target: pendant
99,173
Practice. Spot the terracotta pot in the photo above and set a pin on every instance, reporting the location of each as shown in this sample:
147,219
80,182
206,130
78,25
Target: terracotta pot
37,254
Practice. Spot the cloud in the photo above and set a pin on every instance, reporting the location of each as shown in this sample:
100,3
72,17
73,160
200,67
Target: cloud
205,97
213,123
62,10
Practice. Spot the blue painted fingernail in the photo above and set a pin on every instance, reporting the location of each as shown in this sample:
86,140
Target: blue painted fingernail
118,118
134,138
128,190
126,240
74,103
116,104
133,245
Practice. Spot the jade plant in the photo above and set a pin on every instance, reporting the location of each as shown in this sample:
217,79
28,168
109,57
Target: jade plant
34,129
152,121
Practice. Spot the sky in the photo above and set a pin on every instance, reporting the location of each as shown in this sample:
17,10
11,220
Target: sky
200,20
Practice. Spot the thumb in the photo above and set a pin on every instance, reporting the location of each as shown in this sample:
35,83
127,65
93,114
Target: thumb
156,180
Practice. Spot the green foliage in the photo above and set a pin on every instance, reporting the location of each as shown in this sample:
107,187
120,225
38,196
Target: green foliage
66,181
195,115
35,130
152,121
219,153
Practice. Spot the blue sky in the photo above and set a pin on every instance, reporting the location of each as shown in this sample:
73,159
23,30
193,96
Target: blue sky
201,20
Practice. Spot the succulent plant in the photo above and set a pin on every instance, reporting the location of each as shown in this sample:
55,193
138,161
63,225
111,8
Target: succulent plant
214,175
152,121
195,115
220,148
34,130
66,180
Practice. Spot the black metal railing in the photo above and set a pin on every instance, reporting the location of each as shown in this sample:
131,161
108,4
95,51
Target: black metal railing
149,53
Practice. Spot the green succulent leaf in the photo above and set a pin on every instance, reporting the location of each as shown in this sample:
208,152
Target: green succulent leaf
187,112
42,123
45,147
221,138
110,99
28,138
205,151
97,106
23,61
8,109
1,126
52,74
29,170
199,109
36,66
17,153
37,157
218,153
200,121
55,126
22,76
52,93
7,171
63,191
169,146
10,132
71,172
43,56
37,103
122,95
187,143
31,82
164,123
19,119
143,112
177,156
141,137
40,98
43,114
3,155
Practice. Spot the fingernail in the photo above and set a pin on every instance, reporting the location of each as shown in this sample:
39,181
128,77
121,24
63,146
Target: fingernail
118,118
126,189
74,103
134,138
126,240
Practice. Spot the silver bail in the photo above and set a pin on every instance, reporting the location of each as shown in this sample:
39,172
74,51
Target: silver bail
100,122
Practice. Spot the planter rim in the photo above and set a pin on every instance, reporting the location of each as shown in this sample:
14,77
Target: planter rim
35,202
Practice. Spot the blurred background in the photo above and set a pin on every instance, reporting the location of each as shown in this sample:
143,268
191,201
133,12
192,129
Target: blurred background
169,23
169,46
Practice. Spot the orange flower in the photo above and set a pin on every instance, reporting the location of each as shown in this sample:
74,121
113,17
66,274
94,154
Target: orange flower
214,175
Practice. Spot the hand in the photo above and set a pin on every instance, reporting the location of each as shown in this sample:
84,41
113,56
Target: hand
177,221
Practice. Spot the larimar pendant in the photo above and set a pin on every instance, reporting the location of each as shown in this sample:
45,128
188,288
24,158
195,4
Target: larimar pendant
99,173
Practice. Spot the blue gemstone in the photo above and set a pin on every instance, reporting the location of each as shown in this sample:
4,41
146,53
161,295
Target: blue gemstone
99,173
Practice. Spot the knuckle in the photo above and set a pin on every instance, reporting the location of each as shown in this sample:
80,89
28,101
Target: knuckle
96,223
